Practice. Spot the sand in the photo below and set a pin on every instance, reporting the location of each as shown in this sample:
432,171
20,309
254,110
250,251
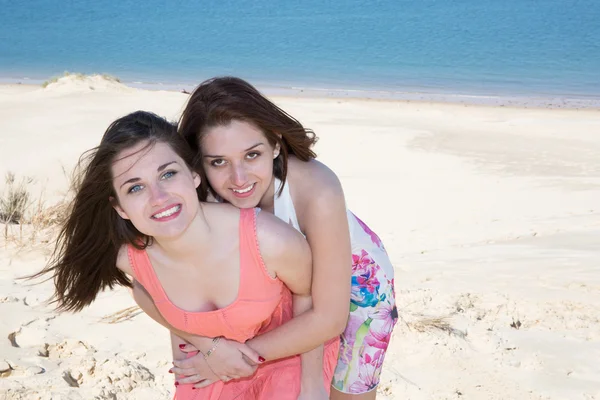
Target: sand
490,215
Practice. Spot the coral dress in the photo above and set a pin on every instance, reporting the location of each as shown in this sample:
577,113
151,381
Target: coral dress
263,303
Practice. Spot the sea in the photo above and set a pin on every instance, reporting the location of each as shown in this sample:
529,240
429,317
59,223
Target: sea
545,49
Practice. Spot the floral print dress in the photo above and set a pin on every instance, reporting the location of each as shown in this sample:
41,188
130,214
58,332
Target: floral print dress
373,312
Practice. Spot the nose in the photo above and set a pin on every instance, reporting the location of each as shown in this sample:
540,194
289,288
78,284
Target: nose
158,196
240,177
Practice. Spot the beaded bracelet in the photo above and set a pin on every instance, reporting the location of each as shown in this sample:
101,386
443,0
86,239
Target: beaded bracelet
213,348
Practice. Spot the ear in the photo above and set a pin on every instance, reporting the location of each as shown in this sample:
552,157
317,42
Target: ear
276,150
197,179
118,208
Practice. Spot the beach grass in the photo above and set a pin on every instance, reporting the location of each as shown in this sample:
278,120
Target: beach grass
25,217
15,199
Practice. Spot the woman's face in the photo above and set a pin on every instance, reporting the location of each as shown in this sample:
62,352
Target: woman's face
155,190
238,160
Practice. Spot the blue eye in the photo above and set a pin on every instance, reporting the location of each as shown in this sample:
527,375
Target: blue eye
135,189
169,174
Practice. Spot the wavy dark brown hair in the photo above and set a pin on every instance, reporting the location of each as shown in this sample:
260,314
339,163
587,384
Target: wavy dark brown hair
84,259
218,101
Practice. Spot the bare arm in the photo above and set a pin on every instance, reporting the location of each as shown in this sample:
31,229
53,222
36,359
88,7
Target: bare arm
326,228
287,253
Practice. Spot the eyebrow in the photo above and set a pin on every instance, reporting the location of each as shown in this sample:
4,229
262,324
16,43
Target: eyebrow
248,149
159,169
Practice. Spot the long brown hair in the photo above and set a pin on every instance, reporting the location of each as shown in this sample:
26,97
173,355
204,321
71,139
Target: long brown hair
219,101
84,259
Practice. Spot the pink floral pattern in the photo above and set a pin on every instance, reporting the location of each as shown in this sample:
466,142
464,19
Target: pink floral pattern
374,238
373,315
365,285
367,373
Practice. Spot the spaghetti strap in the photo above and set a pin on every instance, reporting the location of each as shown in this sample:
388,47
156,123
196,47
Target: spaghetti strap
143,273
251,261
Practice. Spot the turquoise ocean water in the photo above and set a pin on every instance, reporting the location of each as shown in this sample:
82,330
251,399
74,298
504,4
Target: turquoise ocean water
474,47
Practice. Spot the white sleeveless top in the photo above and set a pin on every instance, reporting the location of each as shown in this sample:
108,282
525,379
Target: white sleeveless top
284,207
361,237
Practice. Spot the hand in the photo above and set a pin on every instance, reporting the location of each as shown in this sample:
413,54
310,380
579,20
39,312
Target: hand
230,360
314,393
199,373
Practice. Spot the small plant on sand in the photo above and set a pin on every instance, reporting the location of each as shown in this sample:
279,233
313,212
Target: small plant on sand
54,79
14,200
25,220
110,78
437,324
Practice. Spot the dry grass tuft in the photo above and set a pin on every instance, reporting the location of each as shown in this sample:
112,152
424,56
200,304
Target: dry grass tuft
439,324
122,315
28,223
15,199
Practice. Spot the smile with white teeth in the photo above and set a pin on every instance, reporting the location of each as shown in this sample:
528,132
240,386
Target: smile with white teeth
249,188
168,212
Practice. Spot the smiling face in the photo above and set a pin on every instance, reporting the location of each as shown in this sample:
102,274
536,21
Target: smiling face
238,160
155,189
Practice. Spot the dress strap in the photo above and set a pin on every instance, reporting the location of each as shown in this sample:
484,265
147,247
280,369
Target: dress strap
252,265
142,269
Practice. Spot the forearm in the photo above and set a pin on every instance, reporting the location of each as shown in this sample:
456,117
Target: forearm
299,335
312,361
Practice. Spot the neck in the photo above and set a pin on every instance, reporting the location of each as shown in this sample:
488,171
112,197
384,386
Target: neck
267,203
186,245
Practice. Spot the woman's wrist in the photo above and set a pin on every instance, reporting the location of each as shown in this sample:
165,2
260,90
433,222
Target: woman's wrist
201,343
214,345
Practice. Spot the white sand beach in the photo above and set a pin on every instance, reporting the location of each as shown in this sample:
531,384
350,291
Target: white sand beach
491,216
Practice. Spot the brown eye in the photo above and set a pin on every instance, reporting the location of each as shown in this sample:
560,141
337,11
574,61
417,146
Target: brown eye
252,155
218,162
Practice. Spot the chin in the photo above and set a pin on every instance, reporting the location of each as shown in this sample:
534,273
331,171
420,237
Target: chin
243,203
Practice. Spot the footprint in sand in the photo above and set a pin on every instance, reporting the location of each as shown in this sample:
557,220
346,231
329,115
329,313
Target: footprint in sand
30,334
5,369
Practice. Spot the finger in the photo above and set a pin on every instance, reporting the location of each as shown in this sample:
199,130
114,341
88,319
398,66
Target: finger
183,371
190,379
187,348
202,384
251,354
185,364
225,378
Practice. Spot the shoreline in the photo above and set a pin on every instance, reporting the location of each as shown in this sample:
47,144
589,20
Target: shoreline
535,101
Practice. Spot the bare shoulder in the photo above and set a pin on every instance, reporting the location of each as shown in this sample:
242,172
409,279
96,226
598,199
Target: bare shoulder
123,261
274,235
279,242
222,217
312,173
313,182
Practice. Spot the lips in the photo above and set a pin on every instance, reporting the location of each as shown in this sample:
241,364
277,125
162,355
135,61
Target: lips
167,213
244,192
